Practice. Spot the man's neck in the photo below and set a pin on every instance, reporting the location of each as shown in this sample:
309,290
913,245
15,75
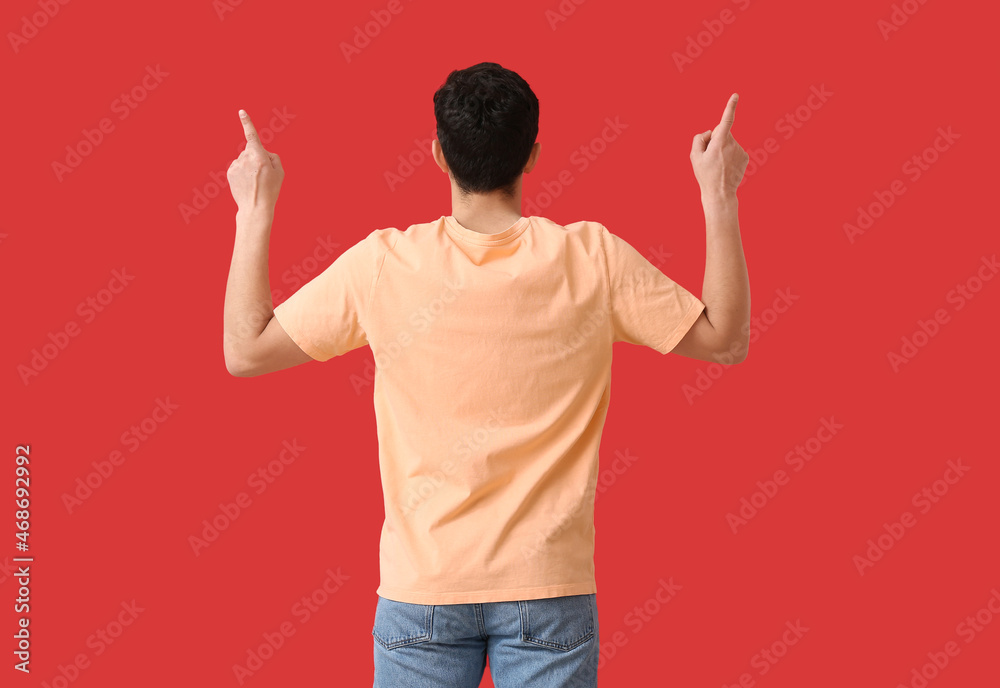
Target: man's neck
486,213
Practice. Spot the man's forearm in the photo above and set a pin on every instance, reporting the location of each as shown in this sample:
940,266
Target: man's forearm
248,306
726,289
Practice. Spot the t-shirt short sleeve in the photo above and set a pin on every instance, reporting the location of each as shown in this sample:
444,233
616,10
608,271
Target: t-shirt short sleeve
326,316
647,307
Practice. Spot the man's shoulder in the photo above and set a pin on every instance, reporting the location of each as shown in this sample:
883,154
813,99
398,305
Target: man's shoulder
388,237
589,233
580,226
391,235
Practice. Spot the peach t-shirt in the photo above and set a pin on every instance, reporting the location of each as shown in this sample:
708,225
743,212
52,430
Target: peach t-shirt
492,384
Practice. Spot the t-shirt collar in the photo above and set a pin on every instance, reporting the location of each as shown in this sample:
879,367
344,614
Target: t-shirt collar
473,237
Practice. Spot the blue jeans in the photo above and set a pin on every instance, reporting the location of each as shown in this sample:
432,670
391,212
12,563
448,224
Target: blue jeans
546,643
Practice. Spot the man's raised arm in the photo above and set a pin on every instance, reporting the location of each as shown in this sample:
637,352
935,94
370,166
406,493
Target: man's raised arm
722,332
253,341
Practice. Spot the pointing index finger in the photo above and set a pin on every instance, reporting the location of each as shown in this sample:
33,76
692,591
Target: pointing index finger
250,132
729,115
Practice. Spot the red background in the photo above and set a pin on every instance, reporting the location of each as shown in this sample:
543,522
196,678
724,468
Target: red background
666,515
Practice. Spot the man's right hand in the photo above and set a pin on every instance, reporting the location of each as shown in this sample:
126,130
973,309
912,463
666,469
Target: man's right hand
718,161
255,176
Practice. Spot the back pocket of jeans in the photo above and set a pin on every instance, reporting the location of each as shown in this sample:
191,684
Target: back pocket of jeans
401,623
560,623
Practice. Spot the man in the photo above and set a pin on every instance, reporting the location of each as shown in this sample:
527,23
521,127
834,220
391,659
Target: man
492,336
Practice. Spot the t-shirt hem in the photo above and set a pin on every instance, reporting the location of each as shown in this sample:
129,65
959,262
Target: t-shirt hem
687,320
296,337
482,596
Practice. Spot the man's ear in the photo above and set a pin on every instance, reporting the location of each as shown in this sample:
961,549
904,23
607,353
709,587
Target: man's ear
439,155
533,157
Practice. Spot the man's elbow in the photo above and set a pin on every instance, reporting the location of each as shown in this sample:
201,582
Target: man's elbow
238,372
735,352
238,366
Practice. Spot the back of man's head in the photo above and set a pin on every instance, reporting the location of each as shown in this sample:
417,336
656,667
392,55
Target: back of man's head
487,122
